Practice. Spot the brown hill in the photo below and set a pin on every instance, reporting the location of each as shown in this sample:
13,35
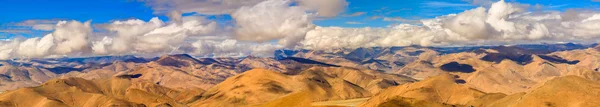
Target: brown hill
179,71
507,76
568,91
185,72
372,81
269,88
13,76
437,90
376,58
77,92
259,86
410,102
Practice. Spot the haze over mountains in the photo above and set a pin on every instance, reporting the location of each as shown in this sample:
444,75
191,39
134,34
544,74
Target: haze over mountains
487,76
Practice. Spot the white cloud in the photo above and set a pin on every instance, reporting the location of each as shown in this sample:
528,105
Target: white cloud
468,25
231,47
259,27
272,20
152,37
7,48
593,18
71,36
68,38
400,35
134,36
99,47
501,23
36,47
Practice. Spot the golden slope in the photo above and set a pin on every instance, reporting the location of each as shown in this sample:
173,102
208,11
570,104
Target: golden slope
507,76
77,92
372,81
568,91
259,86
439,89
410,102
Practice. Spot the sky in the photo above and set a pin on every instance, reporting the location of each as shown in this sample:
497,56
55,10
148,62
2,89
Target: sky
56,28
102,11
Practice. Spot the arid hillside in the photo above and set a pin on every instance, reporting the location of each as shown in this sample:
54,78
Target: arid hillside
411,76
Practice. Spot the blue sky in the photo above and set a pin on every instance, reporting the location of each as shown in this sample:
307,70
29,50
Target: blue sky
419,9
266,25
373,13
82,10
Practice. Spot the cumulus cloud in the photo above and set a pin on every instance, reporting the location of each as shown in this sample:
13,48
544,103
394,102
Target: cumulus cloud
261,26
231,47
470,24
69,38
154,36
7,48
36,47
272,20
127,32
133,36
400,35
501,23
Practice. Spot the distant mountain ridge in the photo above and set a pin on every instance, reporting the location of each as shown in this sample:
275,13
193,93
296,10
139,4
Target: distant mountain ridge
393,58
377,76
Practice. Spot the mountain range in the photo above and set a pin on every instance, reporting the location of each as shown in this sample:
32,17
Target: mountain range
561,75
